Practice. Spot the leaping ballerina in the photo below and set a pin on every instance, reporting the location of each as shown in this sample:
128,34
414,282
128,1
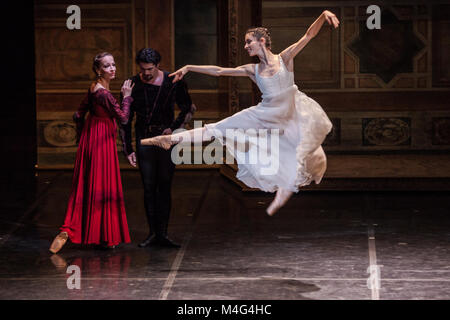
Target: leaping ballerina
302,120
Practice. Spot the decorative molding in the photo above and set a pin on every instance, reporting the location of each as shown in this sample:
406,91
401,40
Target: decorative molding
60,66
441,131
441,49
388,51
57,133
386,131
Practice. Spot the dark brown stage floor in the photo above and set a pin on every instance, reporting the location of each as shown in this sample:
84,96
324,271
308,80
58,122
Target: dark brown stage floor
320,246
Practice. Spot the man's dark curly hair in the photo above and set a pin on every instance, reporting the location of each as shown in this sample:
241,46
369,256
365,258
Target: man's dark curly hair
148,55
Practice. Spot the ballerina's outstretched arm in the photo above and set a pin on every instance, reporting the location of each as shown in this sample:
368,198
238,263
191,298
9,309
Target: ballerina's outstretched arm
290,52
198,134
247,70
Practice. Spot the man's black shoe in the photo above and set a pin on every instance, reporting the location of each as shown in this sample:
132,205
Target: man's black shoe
151,240
166,242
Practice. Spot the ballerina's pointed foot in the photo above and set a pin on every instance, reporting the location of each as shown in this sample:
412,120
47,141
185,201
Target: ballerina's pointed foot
164,142
280,200
59,242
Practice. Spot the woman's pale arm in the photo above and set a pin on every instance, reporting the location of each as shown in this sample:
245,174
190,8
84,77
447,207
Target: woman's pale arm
241,71
290,52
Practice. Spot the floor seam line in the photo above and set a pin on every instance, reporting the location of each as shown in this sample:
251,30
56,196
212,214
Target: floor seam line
180,255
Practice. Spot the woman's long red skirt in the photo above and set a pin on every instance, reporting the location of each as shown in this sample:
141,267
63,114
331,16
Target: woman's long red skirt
96,211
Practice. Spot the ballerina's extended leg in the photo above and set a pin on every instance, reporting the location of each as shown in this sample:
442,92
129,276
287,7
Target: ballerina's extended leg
280,200
166,141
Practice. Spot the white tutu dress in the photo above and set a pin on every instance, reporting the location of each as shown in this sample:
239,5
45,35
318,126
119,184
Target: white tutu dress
303,127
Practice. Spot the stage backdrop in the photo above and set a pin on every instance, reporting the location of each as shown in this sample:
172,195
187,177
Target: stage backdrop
387,91
182,31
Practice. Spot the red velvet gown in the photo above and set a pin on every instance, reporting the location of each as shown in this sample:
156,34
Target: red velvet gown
96,212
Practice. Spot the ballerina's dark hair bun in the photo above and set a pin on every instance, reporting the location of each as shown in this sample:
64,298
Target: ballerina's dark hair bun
261,32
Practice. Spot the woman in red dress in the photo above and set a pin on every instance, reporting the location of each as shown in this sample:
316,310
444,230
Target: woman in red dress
96,212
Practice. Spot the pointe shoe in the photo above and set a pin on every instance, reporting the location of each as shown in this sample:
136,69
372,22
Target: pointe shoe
59,241
280,200
164,142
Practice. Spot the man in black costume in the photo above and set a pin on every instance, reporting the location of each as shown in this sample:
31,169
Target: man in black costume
154,97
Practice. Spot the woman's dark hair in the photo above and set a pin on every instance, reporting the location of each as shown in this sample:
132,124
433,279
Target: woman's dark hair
261,32
148,55
97,60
